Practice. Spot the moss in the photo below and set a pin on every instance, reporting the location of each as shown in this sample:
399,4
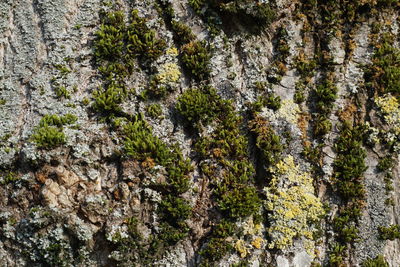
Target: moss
199,106
215,249
107,101
336,255
267,141
325,94
348,172
266,99
385,164
349,165
141,144
238,202
9,178
109,43
379,261
183,33
59,121
174,211
49,133
154,111
62,69
62,92
383,76
116,47
196,60
389,233
322,126
141,41
305,67
224,160
254,14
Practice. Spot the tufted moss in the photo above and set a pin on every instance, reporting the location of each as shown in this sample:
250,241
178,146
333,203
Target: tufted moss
325,95
253,14
199,106
183,33
141,41
267,141
241,201
116,47
348,172
154,111
62,92
196,60
109,42
383,75
173,212
349,165
49,133
379,261
389,233
225,162
107,101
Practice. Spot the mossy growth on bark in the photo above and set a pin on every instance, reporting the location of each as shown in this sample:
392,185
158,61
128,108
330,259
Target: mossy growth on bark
49,133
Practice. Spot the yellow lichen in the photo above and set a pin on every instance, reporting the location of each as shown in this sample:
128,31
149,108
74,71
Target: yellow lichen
241,248
289,111
257,242
293,205
390,107
173,51
169,73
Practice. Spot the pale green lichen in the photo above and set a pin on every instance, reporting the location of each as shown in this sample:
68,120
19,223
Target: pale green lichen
390,108
289,111
293,206
169,73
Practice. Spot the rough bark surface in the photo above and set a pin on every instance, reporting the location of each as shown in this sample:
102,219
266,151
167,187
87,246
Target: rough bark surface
66,206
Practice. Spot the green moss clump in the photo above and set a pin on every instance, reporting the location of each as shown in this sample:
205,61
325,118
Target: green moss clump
349,165
48,137
199,105
268,143
254,14
174,211
266,99
383,76
183,33
59,121
238,202
141,144
62,92
348,171
385,164
109,43
225,162
10,177
116,47
154,111
389,233
141,41
49,133
107,101
196,60
325,95
322,125
379,261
